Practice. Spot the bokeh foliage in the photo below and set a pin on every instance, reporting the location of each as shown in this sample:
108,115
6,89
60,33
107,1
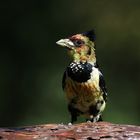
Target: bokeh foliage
32,64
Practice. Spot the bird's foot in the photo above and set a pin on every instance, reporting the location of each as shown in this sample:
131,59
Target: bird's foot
69,124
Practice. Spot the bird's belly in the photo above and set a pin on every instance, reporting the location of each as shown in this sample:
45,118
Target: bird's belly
82,95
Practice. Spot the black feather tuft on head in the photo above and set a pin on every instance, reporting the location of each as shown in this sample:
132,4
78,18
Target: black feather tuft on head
90,34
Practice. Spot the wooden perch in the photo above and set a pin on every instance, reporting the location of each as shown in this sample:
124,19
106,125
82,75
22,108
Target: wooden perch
82,131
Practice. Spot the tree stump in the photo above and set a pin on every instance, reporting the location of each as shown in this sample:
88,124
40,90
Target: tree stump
82,131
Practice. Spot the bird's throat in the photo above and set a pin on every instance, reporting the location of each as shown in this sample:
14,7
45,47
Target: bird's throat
84,58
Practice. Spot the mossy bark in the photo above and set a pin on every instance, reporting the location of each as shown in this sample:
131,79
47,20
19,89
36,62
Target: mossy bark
82,131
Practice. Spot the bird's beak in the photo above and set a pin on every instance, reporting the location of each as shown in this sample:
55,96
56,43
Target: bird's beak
65,43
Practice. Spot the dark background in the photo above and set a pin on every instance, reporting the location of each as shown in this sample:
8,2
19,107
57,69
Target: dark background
32,65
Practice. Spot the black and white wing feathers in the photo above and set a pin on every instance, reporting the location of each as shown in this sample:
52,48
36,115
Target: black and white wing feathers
103,86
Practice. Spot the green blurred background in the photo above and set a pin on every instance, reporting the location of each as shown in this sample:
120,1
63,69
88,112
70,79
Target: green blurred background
32,65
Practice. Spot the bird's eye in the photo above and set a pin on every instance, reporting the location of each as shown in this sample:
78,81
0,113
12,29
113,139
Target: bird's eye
78,42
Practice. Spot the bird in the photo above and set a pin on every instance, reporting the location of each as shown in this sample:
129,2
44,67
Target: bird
83,81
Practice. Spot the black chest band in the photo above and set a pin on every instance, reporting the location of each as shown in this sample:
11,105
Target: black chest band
79,72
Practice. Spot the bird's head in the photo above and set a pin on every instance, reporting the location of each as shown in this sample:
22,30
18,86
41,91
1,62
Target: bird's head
80,46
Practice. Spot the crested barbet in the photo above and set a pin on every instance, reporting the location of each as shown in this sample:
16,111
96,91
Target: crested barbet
82,81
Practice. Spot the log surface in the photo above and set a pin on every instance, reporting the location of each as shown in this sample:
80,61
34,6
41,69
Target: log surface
82,131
